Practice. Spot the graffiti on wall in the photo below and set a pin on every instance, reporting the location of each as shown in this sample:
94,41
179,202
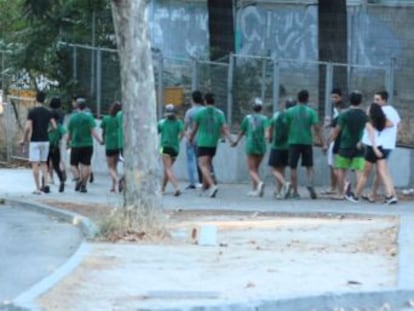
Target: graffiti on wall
372,42
179,31
287,33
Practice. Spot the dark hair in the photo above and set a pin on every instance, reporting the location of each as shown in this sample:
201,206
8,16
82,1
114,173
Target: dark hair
303,96
383,95
355,98
55,103
197,97
337,91
40,97
115,107
377,117
209,98
257,108
290,102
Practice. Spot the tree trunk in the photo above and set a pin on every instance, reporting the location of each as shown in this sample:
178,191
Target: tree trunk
221,28
142,197
333,44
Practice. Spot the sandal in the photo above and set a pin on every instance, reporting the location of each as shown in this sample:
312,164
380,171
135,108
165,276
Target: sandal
368,198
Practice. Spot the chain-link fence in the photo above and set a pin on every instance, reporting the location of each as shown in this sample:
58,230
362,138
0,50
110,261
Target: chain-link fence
12,123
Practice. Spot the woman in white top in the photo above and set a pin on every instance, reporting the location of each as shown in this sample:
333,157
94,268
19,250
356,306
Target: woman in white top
374,154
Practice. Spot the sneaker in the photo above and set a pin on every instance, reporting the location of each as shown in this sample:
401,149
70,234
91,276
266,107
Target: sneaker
295,196
260,189
83,189
62,187
408,191
391,200
277,195
252,193
286,189
78,185
46,189
177,193
213,191
348,188
312,192
91,177
190,187
351,198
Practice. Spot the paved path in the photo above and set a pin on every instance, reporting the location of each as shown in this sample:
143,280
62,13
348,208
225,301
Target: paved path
32,246
230,197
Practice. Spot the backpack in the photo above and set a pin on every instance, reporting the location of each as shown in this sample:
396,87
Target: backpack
281,128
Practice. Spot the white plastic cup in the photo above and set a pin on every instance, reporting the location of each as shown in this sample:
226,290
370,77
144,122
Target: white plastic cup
207,235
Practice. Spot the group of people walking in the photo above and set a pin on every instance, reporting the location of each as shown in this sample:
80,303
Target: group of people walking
44,130
358,141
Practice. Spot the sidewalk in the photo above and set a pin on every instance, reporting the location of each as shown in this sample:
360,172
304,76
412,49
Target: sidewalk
273,257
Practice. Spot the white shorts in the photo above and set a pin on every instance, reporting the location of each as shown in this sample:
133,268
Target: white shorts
38,151
330,155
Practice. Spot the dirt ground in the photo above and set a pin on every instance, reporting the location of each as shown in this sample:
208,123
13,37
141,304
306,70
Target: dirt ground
256,256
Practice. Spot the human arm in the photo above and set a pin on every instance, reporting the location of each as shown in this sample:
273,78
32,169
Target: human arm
318,133
226,132
27,133
371,137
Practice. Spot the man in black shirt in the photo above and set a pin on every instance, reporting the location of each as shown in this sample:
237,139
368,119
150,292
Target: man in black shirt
36,129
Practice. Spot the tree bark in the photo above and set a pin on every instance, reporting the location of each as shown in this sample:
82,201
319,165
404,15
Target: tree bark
333,44
221,28
142,197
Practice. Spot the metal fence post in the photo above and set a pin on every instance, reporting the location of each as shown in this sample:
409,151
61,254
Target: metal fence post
75,63
9,131
263,82
230,77
328,89
276,84
98,81
390,76
160,84
195,81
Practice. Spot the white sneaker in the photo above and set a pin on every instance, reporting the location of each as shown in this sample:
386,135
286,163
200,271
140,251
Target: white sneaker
286,189
213,191
260,189
252,193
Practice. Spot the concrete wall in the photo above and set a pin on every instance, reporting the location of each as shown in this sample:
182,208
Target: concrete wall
230,165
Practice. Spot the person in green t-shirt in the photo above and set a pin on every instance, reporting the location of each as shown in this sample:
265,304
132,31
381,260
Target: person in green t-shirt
278,133
209,125
350,156
110,134
171,130
81,129
302,120
254,127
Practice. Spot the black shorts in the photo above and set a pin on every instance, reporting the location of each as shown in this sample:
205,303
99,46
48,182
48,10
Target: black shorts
170,151
371,157
305,152
206,151
278,158
112,153
81,155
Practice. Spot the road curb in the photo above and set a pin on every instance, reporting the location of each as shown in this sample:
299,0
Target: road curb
88,228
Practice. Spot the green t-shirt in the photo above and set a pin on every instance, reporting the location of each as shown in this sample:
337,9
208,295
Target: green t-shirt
56,135
110,127
253,127
352,123
170,130
210,121
80,127
280,133
120,119
300,119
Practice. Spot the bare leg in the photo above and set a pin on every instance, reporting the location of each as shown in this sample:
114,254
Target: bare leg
252,165
168,162
362,180
204,163
35,170
294,179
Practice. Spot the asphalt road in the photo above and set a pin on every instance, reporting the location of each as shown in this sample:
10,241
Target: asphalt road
32,246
